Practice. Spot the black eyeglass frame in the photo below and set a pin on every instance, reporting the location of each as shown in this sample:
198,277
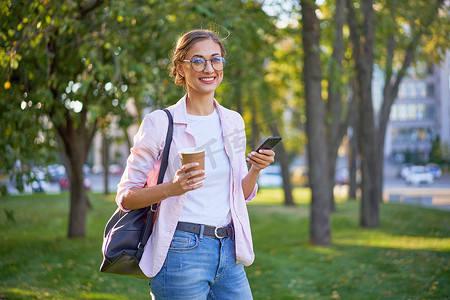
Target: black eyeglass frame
223,59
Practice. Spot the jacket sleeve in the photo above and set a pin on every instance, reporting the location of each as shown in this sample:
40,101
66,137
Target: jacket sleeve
144,154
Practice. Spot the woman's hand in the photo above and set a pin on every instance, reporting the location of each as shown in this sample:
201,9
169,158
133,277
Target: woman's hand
259,161
186,180
262,159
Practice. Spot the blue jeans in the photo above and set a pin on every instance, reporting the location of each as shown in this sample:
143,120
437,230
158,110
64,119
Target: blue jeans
199,268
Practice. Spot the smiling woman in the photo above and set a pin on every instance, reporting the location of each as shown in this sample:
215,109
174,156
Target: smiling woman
194,233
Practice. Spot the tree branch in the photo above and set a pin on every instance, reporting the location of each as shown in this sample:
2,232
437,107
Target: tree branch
86,9
354,34
411,49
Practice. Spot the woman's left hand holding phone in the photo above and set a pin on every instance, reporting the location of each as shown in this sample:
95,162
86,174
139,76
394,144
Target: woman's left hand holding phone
261,159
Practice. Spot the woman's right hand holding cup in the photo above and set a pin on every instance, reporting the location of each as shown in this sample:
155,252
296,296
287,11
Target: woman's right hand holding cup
187,178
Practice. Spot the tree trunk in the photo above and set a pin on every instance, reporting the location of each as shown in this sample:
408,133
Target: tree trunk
332,157
353,144
363,53
105,162
77,141
255,138
283,158
352,177
336,128
352,158
320,229
127,137
78,201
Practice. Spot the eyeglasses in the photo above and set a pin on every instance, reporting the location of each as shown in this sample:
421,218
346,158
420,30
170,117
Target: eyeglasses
198,64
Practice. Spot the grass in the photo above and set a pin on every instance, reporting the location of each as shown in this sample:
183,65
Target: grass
406,258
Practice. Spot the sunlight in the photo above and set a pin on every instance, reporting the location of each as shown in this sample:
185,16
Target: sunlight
384,240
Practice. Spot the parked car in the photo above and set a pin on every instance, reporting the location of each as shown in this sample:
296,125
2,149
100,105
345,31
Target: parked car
435,170
115,169
404,170
419,175
56,172
270,177
64,183
39,186
39,182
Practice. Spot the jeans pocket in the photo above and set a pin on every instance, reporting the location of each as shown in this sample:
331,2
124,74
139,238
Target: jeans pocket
183,241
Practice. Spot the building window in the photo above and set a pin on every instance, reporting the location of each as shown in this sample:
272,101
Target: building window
410,112
401,92
410,90
430,112
421,90
430,90
402,136
420,112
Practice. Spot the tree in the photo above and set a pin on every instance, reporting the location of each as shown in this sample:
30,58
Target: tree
399,53
73,64
320,228
363,54
402,31
338,110
436,154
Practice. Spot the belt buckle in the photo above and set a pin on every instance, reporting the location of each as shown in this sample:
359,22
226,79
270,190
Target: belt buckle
216,234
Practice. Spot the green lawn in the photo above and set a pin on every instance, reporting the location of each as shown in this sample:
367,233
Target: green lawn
407,258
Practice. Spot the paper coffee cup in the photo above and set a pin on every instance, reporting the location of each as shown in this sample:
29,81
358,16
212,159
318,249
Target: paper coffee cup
191,155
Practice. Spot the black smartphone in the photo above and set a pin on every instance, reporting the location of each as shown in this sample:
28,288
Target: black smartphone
269,143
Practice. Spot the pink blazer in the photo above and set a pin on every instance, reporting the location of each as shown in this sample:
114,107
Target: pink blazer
144,163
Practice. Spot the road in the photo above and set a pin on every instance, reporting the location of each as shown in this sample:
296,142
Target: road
97,185
394,189
436,195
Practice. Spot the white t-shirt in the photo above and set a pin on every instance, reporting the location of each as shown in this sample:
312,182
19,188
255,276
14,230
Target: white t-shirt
209,204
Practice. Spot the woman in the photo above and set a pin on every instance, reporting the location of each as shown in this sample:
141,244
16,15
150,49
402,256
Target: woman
201,238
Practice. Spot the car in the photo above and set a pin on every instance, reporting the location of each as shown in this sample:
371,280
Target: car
38,180
404,170
115,169
40,186
435,170
419,175
56,172
270,177
64,184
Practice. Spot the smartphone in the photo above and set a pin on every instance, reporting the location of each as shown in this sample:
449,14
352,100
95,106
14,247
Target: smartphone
269,143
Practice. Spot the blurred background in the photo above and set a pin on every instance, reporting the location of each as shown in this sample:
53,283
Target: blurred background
359,91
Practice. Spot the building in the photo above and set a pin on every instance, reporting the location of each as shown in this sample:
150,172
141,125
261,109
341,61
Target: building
420,113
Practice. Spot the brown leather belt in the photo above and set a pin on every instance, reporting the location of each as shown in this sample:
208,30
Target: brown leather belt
218,232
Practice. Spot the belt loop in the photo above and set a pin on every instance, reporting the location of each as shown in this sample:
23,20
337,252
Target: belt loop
202,229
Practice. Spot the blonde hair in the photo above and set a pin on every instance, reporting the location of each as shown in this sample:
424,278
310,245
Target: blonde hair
185,43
